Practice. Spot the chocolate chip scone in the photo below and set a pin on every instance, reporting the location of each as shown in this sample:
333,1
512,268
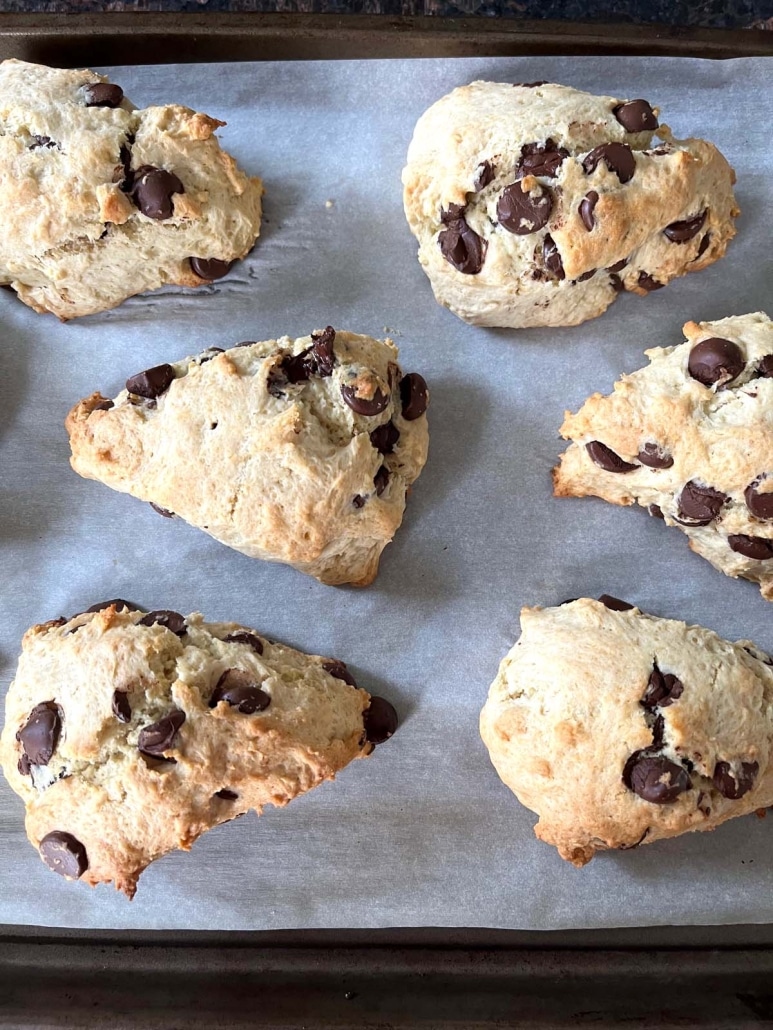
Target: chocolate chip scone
100,201
536,204
297,451
618,728
129,734
690,437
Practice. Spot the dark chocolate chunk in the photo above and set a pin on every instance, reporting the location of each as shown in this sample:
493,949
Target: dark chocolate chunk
618,265
636,116
552,257
662,690
227,795
586,275
321,356
759,504
358,501
381,480
460,245
365,405
160,736
654,457
246,638
617,284
239,689
152,190
122,708
40,733
618,157
210,268
413,396
64,854
647,282
656,511
173,621
681,232
759,548
523,211
615,604
699,504
704,246
715,361
654,778
606,458
586,209
117,603
734,785
103,94
152,382
45,142
338,669
540,159
380,720
164,512
484,174
385,437
765,367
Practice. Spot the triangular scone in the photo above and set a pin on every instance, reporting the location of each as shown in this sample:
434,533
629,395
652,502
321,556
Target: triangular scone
129,734
298,451
101,201
618,728
691,438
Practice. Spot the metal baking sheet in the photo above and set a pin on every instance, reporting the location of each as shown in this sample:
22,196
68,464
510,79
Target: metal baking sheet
423,833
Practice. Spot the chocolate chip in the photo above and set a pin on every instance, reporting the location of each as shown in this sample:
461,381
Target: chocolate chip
662,690
117,603
734,785
658,732
152,382
358,501
64,854
152,190
656,511
246,638
704,246
618,266
103,94
321,356
42,141
413,396
759,548
759,504
40,734
617,284
606,458
765,367
633,844
539,159
552,258
24,766
209,354
586,209
385,437
164,512
654,457
699,504
523,211
681,232
365,405
173,621
103,405
122,708
654,778
380,720
484,174
159,737
227,795
586,275
239,690
209,268
338,669
636,116
615,604
381,480
460,245
618,157
531,85
715,361
647,283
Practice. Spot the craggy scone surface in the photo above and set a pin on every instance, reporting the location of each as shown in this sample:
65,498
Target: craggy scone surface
618,728
128,735
100,201
690,436
299,451
536,204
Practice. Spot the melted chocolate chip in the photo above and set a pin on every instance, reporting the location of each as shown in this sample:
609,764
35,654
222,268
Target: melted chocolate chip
539,159
531,85
104,405
246,638
321,355
209,354
758,548
460,245
381,480
64,854
618,157
759,504
552,258
606,458
365,405
523,211
152,190
662,690
734,785
617,284
24,766
484,174
681,232
413,396
117,603
615,604
704,246
586,209
163,512
122,708
103,94
338,669
647,282
385,437
586,275
636,116
159,737
173,621
618,265
654,457
765,367
380,720
210,268
227,795
152,382
655,511
715,361
239,690
40,734
45,142
654,778
699,504
358,501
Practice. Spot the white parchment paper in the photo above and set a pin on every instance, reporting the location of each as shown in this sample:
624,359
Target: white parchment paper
423,833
